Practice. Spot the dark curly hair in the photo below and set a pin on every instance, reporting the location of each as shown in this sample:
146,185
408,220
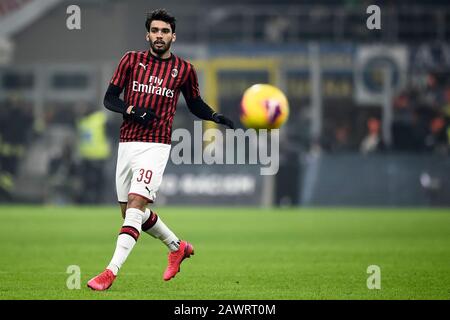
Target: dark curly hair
162,15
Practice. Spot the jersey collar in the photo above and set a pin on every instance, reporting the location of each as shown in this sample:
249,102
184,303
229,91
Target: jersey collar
158,58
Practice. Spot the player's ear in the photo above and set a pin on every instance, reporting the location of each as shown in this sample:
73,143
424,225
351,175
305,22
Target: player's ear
174,37
147,36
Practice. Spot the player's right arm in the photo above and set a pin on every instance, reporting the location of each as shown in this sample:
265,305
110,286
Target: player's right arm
112,99
119,79
113,102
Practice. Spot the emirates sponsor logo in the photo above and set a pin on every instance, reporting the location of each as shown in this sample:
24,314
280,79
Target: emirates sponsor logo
154,86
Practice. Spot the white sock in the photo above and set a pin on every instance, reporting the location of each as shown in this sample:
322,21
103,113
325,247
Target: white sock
160,231
146,215
128,236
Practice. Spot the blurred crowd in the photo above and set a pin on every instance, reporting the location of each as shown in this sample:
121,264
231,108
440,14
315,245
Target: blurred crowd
66,154
16,126
422,115
420,124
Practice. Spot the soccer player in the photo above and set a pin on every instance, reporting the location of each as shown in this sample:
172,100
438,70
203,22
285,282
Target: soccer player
152,81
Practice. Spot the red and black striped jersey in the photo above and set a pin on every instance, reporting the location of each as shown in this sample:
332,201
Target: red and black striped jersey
152,82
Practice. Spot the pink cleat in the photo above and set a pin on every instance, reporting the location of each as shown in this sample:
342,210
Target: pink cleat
175,258
103,281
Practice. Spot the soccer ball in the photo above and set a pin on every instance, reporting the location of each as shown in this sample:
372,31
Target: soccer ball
264,106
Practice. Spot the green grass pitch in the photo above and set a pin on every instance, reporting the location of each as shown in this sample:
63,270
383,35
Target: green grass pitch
240,253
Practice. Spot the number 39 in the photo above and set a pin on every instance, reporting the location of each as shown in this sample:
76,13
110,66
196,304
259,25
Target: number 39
145,175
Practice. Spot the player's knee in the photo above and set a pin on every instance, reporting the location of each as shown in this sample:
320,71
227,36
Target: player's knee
137,201
134,218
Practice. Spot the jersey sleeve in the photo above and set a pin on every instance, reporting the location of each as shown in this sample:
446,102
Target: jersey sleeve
122,71
190,88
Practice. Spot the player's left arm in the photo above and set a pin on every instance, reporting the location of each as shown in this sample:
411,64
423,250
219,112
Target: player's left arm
200,109
197,106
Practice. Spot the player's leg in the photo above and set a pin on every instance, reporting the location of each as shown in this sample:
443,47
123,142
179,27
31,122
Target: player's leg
154,226
129,233
147,178
131,207
179,249
123,181
128,236
147,181
123,208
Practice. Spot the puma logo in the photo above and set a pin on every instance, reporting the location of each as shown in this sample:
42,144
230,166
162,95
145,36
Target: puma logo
143,65
176,244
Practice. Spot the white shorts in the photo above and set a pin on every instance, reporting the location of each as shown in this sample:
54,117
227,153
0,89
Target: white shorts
140,167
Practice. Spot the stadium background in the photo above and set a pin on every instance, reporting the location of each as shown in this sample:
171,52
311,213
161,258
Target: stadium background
348,88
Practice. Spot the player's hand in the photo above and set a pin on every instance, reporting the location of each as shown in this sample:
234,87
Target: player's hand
220,118
143,115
